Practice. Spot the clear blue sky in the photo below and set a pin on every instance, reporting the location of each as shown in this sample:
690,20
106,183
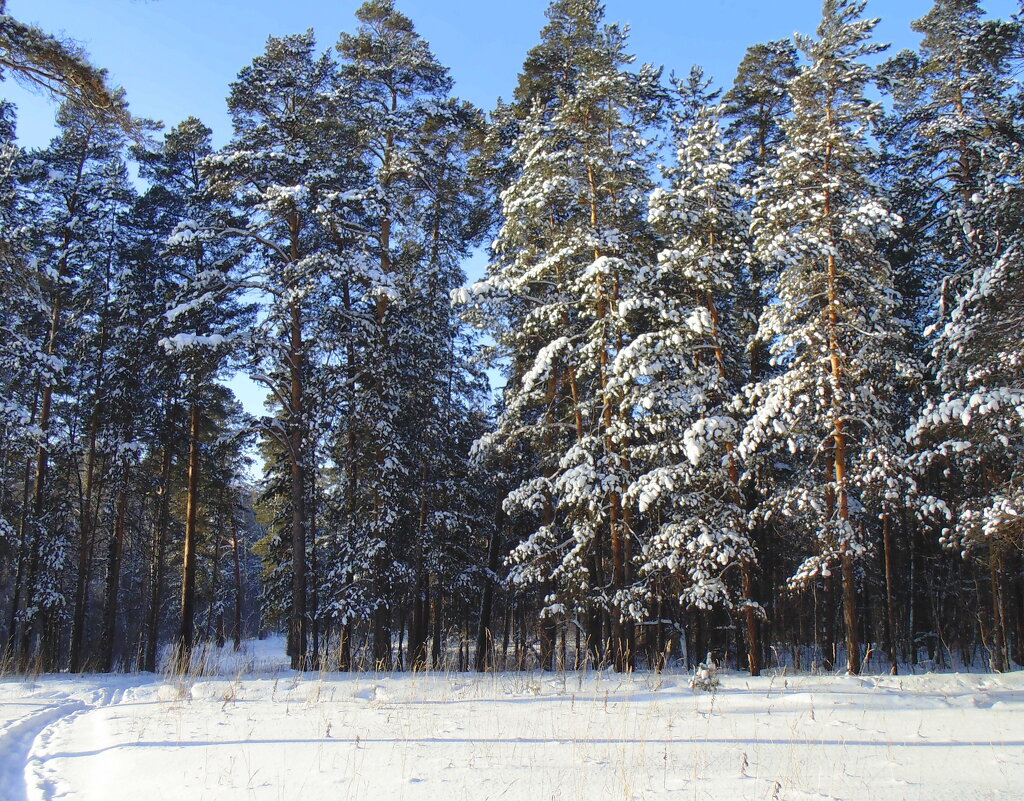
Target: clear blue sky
176,57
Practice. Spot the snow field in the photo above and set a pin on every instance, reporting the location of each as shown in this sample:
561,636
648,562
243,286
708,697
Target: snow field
528,737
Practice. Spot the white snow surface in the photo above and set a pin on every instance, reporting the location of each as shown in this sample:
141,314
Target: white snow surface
260,731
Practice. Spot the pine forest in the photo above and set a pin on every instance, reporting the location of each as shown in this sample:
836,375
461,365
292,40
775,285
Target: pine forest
743,379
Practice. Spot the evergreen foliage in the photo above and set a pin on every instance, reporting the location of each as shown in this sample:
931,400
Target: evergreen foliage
746,393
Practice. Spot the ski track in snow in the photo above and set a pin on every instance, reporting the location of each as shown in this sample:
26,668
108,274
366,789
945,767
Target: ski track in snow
17,741
25,741
42,783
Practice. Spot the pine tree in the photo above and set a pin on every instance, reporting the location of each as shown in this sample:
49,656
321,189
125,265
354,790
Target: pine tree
16,286
759,101
80,195
950,104
18,291
441,392
958,122
833,334
573,240
59,68
681,375
757,104
414,145
287,170
10,154
112,403
201,315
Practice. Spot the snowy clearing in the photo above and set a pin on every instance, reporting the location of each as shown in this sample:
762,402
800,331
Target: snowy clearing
529,736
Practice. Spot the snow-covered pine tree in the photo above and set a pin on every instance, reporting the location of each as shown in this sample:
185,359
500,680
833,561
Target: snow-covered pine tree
442,393
394,80
15,288
681,374
78,188
759,101
959,120
10,155
836,342
157,276
971,429
289,169
196,314
950,103
414,143
18,292
111,404
551,67
573,239
756,106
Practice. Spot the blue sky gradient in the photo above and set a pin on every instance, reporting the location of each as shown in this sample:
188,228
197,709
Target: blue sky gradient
176,58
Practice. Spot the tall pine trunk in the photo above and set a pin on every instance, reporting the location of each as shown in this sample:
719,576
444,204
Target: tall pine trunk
159,548
299,637
186,630
113,584
237,632
839,435
382,612
87,523
890,592
752,628
622,645
485,636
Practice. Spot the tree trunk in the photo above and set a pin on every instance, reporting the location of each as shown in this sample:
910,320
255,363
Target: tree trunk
35,530
345,648
485,637
437,619
1015,591
87,521
382,612
839,462
547,632
850,614
998,640
382,637
237,634
314,661
750,618
186,630
890,592
218,529
419,625
113,587
829,628
19,570
86,524
420,612
159,548
622,646
298,491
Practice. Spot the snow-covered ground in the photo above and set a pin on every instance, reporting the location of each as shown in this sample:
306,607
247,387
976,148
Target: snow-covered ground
259,731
